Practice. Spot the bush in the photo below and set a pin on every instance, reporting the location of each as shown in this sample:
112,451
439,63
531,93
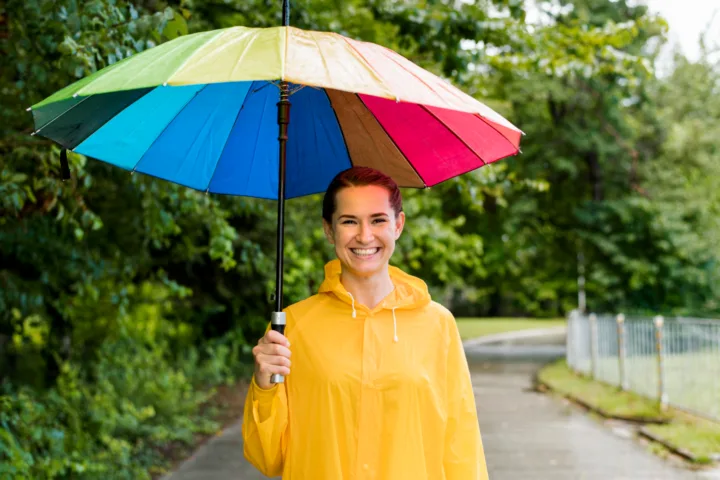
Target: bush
107,421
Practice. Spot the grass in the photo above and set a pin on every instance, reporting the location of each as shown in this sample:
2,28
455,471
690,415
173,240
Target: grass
609,399
700,437
478,327
696,436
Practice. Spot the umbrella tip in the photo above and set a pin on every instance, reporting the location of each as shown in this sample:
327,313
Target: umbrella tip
28,109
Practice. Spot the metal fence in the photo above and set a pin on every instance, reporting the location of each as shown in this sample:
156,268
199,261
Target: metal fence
673,360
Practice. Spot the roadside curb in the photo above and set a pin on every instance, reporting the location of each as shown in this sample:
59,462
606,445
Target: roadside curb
543,387
678,450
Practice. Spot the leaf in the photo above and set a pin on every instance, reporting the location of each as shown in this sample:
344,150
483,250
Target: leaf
176,27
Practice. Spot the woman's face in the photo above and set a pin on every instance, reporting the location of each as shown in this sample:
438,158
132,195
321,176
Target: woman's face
364,229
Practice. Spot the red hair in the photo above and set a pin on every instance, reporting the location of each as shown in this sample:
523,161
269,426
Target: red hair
360,177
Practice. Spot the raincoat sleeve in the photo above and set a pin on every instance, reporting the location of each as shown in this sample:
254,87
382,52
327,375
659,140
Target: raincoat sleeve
264,428
464,456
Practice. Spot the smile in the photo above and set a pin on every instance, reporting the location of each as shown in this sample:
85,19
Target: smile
365,252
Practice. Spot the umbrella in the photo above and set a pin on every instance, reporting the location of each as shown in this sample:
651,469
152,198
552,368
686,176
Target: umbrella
204,111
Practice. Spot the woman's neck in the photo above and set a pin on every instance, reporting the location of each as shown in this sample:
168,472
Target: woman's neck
369,291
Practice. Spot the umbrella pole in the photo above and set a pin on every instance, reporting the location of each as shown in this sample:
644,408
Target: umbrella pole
283,120
278,316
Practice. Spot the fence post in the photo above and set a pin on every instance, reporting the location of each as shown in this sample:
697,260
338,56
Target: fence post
662,394
568,340
571,343
593,345
622,352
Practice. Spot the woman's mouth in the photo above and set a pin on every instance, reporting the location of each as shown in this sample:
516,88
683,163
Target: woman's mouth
365,252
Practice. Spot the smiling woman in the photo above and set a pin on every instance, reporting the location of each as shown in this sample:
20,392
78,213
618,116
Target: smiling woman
362,218
379,385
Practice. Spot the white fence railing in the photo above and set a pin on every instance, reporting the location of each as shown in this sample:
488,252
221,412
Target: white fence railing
673,360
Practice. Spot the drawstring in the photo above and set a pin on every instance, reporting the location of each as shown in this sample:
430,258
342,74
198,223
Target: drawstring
354,314
395,324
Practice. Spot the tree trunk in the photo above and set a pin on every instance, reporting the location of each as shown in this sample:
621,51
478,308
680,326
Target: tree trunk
594,175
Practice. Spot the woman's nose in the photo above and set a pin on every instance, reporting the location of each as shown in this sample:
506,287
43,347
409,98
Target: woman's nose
365,235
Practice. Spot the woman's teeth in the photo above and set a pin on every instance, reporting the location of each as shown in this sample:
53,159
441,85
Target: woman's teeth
364,252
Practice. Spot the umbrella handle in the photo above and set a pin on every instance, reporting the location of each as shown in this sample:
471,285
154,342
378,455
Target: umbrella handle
277,323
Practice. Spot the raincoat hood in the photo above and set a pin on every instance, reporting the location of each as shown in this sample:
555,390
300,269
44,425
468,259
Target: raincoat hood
409,292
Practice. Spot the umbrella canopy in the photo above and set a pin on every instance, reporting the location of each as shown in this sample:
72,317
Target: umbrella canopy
201,111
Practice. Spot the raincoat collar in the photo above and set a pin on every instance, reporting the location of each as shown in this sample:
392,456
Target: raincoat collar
409,293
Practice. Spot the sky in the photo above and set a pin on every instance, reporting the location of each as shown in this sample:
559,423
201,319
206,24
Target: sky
686,20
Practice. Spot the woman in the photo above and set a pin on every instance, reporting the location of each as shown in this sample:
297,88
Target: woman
378,386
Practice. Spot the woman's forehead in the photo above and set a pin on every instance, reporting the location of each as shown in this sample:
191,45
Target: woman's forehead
361,199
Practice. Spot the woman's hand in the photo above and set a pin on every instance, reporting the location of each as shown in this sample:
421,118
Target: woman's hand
272,355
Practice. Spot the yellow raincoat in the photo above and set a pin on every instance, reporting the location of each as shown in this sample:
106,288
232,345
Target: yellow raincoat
372,394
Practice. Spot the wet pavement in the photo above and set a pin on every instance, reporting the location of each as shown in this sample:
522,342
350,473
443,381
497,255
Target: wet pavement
527,435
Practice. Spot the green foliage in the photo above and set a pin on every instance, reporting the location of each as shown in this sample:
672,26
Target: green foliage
594,135
105,419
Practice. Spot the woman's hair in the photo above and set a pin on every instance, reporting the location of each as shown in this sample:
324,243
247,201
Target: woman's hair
360,177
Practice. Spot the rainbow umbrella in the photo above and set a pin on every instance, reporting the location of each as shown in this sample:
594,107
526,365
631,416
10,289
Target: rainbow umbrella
204,111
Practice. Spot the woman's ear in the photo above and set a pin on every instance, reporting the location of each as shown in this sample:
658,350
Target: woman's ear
327,228
399,224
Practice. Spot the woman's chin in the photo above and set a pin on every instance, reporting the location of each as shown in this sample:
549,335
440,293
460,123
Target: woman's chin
364,266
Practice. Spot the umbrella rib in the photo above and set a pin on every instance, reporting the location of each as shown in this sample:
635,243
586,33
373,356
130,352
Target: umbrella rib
454,134
460,95
484,163
425,185
168,124
114,115
490,123
227,140
57,117
322,56
192,55
342,132
369,66
389,57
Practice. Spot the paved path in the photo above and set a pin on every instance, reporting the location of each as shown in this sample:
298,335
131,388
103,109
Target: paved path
527,435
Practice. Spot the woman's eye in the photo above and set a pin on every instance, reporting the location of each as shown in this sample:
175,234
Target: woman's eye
380,220
347,222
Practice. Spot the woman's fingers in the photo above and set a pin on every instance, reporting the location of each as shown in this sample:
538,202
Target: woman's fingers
274,359
279,365
275,337
271,349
